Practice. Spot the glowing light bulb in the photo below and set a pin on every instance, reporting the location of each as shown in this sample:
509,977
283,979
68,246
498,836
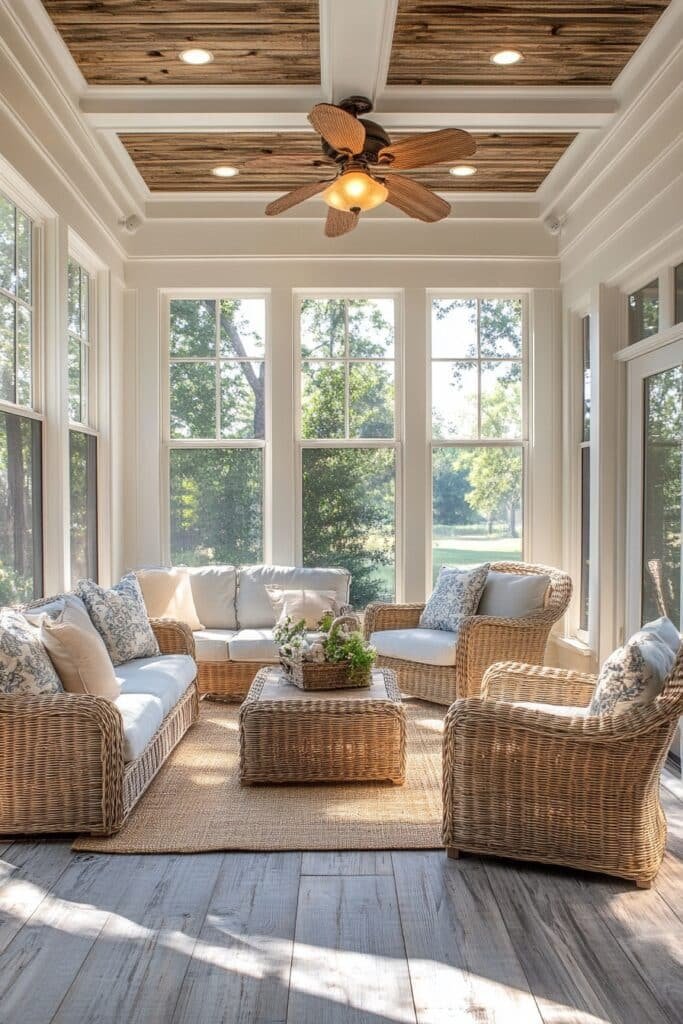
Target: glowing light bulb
196,56
506,57
355,190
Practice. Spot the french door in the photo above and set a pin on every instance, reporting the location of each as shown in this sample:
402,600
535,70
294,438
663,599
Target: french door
655,486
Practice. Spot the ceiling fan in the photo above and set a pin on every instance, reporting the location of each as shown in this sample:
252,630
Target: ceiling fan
367,163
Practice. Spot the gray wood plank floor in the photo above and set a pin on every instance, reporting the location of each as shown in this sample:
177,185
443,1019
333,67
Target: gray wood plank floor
334,938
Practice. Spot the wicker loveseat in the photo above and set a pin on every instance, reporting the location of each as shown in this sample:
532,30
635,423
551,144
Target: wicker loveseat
482,639
562,787
63,765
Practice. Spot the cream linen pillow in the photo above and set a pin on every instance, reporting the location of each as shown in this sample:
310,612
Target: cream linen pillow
168,595
78,653
310,605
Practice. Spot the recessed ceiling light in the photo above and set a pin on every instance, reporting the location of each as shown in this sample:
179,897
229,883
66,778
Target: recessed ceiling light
506,57
196,56
225,171
463,170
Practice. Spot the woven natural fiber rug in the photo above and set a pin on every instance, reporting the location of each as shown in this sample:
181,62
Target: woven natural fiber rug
197,804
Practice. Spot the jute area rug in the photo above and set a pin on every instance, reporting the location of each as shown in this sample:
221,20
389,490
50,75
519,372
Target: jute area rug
196,803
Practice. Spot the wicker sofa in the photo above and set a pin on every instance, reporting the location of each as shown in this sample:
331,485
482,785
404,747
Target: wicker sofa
232,604
65,763
561,787
482,639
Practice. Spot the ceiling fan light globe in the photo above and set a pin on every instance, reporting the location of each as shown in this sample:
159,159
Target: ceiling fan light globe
355,191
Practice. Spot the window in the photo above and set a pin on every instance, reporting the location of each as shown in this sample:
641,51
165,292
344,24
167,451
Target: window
21,562
477,430
349,440
678,293
584,456
643,312
82,435
217,429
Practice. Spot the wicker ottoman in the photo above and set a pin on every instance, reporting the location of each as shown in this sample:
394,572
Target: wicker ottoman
293,735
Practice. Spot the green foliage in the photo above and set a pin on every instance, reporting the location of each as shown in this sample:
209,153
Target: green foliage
351,648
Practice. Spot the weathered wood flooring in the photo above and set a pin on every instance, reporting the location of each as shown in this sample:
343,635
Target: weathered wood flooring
334,938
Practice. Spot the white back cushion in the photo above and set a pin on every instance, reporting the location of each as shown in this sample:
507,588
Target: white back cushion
168,595
510,595
254,609
214,589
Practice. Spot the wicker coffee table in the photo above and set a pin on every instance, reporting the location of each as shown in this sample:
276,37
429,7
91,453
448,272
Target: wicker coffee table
293,735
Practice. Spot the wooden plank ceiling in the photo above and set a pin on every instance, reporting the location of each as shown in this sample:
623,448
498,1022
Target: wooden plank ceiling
134,42
182,162
438,42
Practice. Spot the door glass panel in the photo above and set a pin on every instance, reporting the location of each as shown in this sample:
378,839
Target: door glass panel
662,491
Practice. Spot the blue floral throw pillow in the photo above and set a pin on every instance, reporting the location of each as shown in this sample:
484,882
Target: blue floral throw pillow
120,617
633,674
25,666
455,597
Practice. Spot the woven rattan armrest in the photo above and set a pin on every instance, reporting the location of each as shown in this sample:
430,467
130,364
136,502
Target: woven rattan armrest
173,637
513,681
391,616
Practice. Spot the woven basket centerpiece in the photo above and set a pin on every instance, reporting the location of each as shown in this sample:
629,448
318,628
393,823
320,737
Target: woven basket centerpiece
309,664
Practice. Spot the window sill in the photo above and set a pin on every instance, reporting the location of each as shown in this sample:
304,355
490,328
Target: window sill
572,643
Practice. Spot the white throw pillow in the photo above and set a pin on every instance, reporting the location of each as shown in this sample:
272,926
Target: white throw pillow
455,597
509,595
25,668
168,595
309,605
120,617
633,674
77,651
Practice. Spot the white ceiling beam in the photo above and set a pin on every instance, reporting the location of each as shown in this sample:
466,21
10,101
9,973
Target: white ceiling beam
355,46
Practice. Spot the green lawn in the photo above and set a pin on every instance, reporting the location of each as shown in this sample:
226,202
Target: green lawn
472,548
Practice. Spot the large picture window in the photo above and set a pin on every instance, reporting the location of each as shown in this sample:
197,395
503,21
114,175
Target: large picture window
477,430
16,305
348,438
216,429
83,439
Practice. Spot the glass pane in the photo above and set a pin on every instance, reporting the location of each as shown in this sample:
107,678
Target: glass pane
501,400
349,517
586,428
193,399
643,312
243,399
454,328
23,356
678,287
216,506
454,399
7,210
371,328
83,501
322,400
7,375
74,371
662,508
500,328
20,509
23,257
74,297
585,534
85,304
371,399
193,327
477,506
323,328
243,327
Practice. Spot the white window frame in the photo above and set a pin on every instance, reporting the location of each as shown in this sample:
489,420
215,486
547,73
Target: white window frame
88,424
581,632
169,443
395,443
522,443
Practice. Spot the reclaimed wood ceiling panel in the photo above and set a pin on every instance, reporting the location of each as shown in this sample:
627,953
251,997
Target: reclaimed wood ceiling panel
134,42
177,162
438,42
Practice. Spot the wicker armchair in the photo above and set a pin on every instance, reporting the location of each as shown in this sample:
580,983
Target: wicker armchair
561,789
482,641
61,757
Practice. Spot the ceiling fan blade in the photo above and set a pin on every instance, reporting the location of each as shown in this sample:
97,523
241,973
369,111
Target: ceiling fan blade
415,200
339,222
296,196
424,150
343,131
267,160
